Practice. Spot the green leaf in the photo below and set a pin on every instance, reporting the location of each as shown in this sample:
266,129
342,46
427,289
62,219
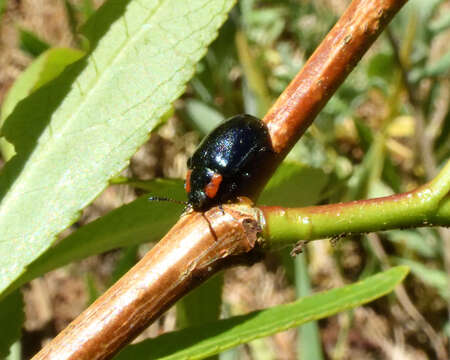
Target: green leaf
440,67
309,344
441,24
255,78
2,8
201,305
381,65
11,320
42,70
71,14
200,342
91,288
390,173
135,223
421,241
172,188
294,184
31,43
204,117
127,260
80,130
87,8
425,9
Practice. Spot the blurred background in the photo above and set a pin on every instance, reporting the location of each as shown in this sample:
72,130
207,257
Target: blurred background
386,130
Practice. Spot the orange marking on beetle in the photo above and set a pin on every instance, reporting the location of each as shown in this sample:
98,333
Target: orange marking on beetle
187,183
213,186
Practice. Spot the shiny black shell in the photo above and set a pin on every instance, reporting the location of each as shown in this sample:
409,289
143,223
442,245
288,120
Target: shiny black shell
235,150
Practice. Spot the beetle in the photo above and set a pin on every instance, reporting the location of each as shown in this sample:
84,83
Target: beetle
226,162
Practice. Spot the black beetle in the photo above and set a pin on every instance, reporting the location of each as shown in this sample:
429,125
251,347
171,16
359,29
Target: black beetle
224,165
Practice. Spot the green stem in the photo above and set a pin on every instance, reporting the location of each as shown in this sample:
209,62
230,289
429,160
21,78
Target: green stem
428,205
256,78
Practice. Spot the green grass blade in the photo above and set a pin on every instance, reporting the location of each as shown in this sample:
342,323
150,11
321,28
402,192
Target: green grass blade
207,340
80,130
2,8
87,8
43,69
202,117
294,184
128,258
440,24
71,14
11,319
134,223
309,344
31,43
202,305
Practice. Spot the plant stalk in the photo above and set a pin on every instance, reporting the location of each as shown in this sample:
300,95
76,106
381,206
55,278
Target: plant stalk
429,205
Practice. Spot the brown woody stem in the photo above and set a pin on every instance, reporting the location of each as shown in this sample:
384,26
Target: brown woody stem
194,249
326,69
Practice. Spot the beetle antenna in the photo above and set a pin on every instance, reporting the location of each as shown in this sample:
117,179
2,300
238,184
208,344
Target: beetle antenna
159,198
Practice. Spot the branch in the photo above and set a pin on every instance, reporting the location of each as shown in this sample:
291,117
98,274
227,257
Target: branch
194,249
428,205
326,69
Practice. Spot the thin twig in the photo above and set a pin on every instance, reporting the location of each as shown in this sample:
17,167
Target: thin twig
324,72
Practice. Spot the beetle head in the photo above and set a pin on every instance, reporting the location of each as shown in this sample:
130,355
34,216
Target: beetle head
199,179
